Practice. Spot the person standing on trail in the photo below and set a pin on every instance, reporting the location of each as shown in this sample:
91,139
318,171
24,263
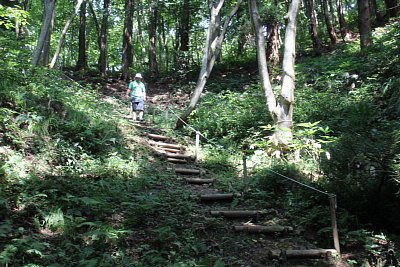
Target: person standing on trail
137,93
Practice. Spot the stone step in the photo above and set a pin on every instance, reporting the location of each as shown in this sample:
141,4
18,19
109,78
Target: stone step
236,213
199,181
262,229
301,253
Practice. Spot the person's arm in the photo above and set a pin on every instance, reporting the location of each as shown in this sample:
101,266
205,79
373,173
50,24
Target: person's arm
128,91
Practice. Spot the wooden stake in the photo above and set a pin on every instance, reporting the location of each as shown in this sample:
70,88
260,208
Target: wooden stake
196,153
333,206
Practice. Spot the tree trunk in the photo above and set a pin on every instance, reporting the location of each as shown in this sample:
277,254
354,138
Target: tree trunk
241,41
392,8
344,31
103,40
283,131
211,52
329,26
63,33
282,111
47,43
273,44
364,23
185,20
127,55
262,60
49,6
152,39
375,10
317,44
82,58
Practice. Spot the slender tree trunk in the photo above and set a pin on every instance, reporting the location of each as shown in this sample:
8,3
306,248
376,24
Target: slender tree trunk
392,8
103,39
185,22
211,52
317,44
364,23
241,41
344,31
47,43
152,39
273,44
127,55
329,25
280,111
49,6
375,10
82,58
63,33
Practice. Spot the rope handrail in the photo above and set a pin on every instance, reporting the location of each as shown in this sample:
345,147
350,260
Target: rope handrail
232,151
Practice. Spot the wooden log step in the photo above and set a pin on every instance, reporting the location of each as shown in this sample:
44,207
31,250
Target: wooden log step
187,171
216,197
235,213
173,160
161,144
300,253
158,137
263,229
178,156
199,181
169,150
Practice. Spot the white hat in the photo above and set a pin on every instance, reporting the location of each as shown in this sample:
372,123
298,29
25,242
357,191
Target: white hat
138,75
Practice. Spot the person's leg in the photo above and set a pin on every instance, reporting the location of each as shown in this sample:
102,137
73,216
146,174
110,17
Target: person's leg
141,115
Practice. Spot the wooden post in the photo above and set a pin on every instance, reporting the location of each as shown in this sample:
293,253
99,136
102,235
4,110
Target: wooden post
197,150
245,172
333,206
166,116
154,115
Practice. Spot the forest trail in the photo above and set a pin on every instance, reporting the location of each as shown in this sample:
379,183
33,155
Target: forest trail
240,230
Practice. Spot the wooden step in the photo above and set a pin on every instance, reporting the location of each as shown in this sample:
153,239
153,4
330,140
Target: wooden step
216,197
187,171
178,156
178,161
262,229
158,137
162,144
300,253
169,150
236,213
199,181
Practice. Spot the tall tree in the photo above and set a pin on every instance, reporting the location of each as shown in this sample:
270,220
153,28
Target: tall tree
364,23
329,26
82,57
152,39
185,23
310,9
344,30
103,39
392,8
49,6
281,110
211,52
47,42
127,52
63,33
